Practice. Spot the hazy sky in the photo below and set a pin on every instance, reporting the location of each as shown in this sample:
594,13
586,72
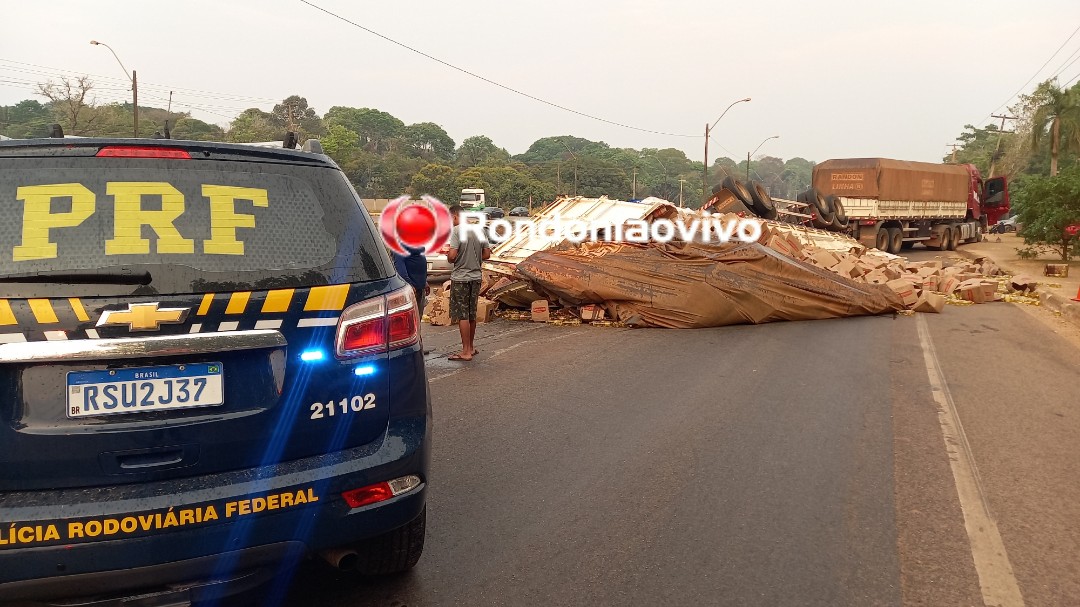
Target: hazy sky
833,79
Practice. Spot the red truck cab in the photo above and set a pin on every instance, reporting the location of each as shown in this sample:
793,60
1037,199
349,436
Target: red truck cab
989,198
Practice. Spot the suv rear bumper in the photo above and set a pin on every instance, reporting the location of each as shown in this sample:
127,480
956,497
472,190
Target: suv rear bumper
227,555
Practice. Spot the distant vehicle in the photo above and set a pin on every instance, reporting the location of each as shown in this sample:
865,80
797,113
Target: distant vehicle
894,204
1005,226
519,212
494,212
473,199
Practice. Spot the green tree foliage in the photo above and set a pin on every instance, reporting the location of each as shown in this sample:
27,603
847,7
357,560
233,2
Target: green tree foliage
982,146
480,150
254,125
1046,205
26,119
428,140
438,180
293,112
340,143
378,131
1057,115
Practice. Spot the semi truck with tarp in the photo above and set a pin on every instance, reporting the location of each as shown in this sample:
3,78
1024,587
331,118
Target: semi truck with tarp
893,204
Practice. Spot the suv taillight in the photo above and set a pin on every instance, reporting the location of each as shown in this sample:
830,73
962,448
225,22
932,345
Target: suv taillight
379,324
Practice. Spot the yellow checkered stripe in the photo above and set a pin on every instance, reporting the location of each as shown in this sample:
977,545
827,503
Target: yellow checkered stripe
52,319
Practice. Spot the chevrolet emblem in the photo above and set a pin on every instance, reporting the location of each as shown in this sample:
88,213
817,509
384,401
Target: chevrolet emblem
143,317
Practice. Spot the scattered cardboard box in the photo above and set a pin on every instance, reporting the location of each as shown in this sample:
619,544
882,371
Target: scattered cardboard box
438,311
930,302
541,312
591,312
485,309
905,289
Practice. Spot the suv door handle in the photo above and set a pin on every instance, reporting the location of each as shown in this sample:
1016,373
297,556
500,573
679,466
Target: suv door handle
149,460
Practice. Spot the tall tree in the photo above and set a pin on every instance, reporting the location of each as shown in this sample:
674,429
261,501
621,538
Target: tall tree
436,180
378,130
1046,206
25,119
293,113
72,101
478,150
428,140
253,125
1057,111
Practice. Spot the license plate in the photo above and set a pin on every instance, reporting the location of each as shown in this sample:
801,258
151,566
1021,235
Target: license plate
136,390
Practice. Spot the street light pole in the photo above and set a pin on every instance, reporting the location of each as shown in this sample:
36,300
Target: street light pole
705,168
748,154
133,77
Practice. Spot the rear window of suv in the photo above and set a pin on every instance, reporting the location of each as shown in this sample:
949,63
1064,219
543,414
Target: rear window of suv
193,225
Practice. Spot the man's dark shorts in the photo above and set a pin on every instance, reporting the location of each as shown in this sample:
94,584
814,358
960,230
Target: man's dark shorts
464,295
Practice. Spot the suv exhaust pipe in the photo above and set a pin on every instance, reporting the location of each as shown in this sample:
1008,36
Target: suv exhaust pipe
342,559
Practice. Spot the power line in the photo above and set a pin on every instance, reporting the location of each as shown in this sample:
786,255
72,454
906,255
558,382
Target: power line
1021,89
1067,62
488,80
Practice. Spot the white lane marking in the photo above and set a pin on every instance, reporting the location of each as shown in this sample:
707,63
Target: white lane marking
55,335
92,334
228,326
12,338
268,324
195,328
996,579
503,351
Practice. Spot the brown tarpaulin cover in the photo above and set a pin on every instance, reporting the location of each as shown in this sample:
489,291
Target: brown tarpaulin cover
886,179
697,285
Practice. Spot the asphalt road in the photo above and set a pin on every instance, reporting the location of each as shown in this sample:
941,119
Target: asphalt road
783,464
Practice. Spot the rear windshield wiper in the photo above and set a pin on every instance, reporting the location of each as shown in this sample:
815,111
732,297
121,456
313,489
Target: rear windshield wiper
121,276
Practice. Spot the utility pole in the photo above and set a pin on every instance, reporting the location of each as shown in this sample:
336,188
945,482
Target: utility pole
954,146
135,99
681,182
633,193
558,175
748,167
705,169
997,148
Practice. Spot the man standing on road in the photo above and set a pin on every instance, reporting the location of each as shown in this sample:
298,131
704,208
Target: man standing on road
467,253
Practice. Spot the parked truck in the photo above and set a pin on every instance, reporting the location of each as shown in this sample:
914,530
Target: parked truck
893,204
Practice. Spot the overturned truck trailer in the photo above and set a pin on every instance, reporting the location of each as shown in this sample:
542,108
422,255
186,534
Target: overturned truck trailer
678,284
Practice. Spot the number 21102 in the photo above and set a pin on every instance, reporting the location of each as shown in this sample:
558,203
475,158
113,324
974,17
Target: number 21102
346,405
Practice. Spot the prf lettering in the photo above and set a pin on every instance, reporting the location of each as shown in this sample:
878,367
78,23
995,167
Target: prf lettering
129,217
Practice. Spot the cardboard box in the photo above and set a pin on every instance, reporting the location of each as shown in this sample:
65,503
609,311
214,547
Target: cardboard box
541,312
438,311
905,289
591,312
485,309
876,277
989,290
929,283
930,302
824,259
948,285
892,272
972,292
848,268
782,245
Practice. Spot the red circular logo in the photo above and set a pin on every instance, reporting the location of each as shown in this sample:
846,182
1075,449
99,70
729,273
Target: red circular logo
415,224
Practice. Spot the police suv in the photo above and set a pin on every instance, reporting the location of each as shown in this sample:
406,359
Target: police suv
209,371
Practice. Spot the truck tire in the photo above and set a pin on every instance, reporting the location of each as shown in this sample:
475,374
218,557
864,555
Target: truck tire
881,241
740,191
393,552
837,208
763,204
954,236
896,240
